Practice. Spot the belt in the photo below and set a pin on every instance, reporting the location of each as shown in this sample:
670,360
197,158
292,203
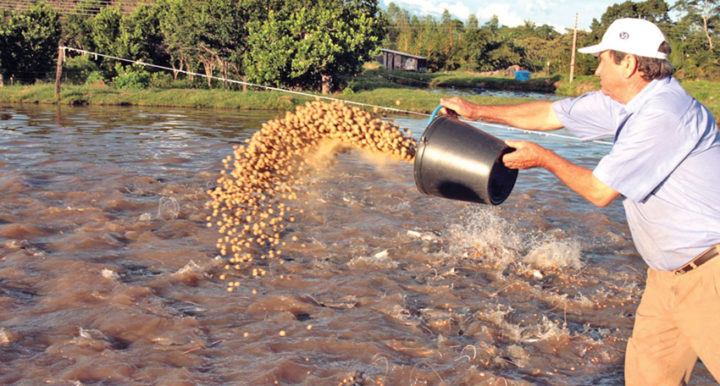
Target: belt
700,260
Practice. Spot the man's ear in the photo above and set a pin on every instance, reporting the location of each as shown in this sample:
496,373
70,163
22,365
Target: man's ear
630,65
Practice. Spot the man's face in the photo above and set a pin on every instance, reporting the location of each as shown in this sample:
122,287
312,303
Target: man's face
612,79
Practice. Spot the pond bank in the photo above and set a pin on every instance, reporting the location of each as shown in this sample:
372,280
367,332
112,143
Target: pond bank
421,101
406,99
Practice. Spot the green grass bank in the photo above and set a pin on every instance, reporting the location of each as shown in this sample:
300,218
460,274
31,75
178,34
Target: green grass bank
417,100
400,90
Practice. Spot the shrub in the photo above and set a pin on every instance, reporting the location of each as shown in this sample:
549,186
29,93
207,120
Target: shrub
161,80
78,69
95,77
134,77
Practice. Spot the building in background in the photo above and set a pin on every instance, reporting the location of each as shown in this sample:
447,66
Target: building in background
396,60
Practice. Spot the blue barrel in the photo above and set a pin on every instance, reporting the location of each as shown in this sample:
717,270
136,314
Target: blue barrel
522,75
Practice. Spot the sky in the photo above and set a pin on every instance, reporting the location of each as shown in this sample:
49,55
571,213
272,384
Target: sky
556,13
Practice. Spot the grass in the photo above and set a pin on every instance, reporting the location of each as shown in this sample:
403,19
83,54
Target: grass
419,92
373,78
706,92
419,100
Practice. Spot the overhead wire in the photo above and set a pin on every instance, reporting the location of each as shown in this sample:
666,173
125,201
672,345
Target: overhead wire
69,7
311,95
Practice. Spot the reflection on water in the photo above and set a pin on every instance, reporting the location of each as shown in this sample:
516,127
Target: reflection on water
108,273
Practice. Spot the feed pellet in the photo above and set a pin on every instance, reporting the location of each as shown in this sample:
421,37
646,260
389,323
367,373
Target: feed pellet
250,203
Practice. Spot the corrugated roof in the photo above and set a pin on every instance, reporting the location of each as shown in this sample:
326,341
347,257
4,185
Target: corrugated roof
402,53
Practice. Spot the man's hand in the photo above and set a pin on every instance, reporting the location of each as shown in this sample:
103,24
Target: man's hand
529,155
526,155
457,106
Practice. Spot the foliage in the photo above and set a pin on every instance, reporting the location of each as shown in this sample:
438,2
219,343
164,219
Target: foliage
77,69
132,77
220,30
95,77
297,45
694,39
160,80
412,99
77,26
28,42
133,36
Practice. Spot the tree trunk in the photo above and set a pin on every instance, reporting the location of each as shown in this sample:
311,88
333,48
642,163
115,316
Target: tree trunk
707,33
209,66
224,69
176,70
326,83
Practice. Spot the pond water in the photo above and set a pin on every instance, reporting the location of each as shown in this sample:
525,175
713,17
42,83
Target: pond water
494,93
109,275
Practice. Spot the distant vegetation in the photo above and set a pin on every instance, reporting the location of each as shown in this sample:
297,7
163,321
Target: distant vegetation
311,44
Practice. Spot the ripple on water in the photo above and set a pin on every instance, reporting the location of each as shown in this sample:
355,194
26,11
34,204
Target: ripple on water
108,273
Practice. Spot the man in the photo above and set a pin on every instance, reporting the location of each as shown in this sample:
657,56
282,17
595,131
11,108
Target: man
665,161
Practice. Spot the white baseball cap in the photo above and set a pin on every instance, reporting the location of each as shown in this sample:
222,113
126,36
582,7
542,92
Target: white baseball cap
631,36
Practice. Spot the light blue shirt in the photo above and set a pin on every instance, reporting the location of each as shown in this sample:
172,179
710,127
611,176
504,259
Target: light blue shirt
665,160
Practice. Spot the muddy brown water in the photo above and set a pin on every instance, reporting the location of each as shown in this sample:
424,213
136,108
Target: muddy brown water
108,274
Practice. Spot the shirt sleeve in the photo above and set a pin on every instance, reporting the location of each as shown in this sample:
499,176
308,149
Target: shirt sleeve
649,146
590,116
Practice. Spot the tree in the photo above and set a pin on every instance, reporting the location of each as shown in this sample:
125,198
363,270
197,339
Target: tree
303,44
399,34
701,12
4,16
141,37
179,35
221,35
655,11
450,39
536,42
77,26
29,43
106,30
478,42
692,53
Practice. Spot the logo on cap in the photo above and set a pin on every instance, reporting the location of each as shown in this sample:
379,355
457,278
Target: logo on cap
624,35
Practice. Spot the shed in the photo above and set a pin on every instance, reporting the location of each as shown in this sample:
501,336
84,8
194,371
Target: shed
396,60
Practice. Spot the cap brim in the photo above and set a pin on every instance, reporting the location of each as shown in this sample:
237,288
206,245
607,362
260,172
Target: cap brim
592,50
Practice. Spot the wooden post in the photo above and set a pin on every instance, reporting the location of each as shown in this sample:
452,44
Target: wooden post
58,71
572,58
244,78
326,81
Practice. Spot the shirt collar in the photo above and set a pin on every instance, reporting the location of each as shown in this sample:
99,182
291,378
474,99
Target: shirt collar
638,100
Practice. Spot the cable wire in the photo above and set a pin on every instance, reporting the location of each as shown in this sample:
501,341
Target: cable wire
311,95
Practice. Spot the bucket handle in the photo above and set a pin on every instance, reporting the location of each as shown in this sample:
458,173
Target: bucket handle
434,113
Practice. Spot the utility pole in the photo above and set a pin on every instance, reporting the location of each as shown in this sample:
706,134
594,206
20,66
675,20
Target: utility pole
572,57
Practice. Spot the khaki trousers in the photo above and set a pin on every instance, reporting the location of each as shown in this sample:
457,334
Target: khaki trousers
677,321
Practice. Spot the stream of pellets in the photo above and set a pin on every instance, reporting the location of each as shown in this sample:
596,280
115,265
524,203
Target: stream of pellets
249,204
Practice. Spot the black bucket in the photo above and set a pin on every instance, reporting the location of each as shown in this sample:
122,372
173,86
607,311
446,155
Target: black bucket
461,162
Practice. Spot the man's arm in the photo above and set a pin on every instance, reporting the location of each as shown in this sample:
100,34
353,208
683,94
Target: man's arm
538,115
579,179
